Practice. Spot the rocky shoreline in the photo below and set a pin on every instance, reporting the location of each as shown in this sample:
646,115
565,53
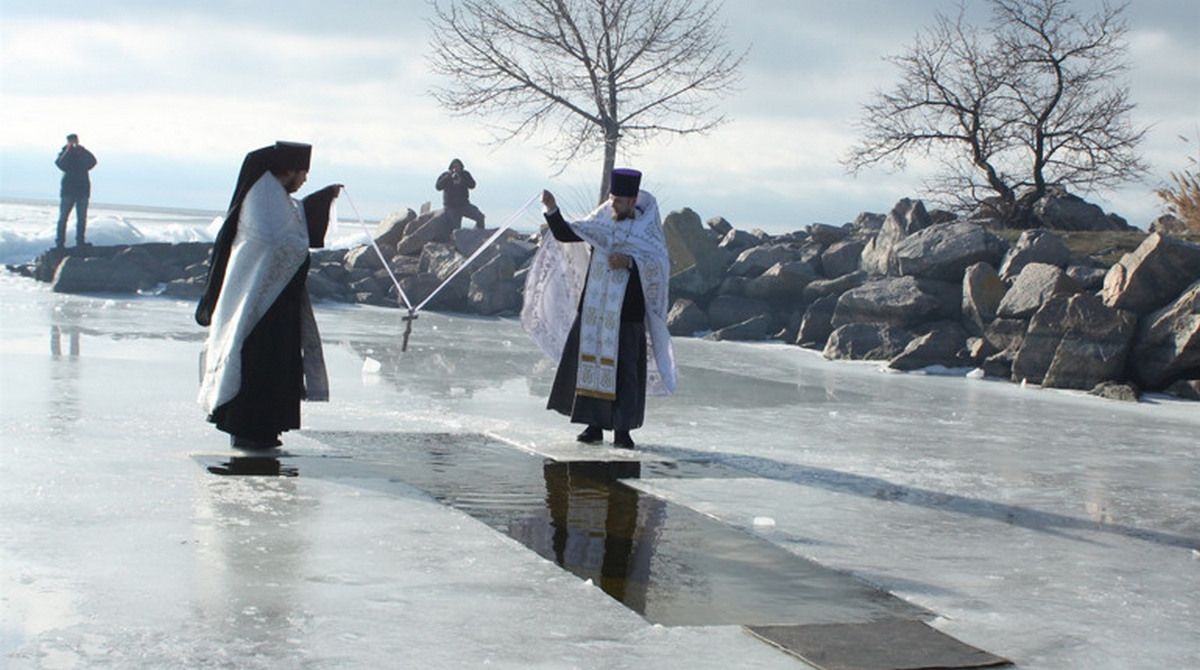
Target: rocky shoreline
913,288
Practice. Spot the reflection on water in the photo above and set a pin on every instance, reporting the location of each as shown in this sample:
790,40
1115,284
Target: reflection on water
245,594
253,466
669,563
64,409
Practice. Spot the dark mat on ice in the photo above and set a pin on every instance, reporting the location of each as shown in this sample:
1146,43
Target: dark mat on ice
894,644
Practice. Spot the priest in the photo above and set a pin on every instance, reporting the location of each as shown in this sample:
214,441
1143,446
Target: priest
263,352
596,301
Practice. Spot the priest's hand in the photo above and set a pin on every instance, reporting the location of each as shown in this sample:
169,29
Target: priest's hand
618,261
548,201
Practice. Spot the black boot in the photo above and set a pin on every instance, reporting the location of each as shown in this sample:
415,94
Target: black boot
591,435
622,440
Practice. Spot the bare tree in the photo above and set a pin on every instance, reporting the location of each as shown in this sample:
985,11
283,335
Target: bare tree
595,73
1033,101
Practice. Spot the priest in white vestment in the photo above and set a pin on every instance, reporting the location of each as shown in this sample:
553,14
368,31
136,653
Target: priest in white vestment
596,301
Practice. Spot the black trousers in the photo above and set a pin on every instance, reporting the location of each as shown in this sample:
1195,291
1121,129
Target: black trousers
80,204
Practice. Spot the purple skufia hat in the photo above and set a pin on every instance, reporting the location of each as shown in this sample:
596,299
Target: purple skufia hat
625,182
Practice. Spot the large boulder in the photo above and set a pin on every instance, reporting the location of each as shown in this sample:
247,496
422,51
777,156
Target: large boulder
686,319
817,323
944,345
907,217
944,251
842,257
866,342
782,282
1060,210
98,274
825,234
492,289
697,264
727,310
1037,283
1034,246
825,287
736,241
757,260
898,301
1167,347
391,229
418,232
1075,342
1152,275
755,328
983,291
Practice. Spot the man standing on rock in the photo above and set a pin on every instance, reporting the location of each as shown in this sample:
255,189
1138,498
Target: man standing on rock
263,352
603,315
455,184
75,163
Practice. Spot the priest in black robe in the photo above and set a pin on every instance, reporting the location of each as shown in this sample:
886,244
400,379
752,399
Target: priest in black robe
263,352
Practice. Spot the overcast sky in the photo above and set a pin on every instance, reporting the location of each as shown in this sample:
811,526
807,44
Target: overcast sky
171,95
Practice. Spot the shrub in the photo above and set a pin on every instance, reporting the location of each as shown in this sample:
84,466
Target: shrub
1183,199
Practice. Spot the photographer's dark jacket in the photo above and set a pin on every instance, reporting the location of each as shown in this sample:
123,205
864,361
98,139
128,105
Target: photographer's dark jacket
455,195
75,163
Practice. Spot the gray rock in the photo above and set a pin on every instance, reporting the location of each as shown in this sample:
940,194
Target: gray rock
1034,246
719,226
756,260
825,234
944,251
866,342
906,218
817,323
697,265
945,345
1006,334
391,229
1187,389
1075,342
820,288
1060,210
1116,391
842,258
1037,283
1168,224
99,275
753,329
726,311
1152,275
783,282
898,301
686,319
1167,347
736,241
982,293
492,289
422,231
1090,279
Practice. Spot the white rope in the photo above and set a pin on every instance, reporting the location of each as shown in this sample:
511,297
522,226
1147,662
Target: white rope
412,311
495,236
379,252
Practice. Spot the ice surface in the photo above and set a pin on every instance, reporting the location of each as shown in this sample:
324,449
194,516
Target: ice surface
1051,528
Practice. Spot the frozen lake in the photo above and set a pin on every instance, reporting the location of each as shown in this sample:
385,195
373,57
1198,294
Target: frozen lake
1054,529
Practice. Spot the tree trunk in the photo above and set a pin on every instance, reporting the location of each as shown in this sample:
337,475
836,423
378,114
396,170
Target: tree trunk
610,162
